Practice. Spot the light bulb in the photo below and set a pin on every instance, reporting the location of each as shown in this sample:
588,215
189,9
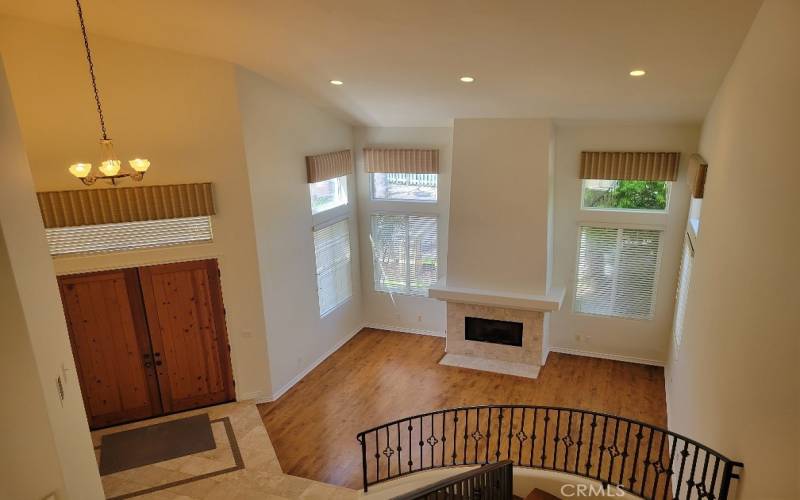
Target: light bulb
80,170
140,165
110,168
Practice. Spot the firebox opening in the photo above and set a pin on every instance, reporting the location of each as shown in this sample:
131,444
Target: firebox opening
493,331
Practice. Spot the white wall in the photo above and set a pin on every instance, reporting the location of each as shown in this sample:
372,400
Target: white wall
280,129
181,112
46,442
635,340
393,311
499,211
736,383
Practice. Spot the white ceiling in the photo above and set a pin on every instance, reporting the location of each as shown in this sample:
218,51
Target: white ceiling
401,60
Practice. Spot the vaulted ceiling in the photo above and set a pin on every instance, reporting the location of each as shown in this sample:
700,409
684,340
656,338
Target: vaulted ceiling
400,61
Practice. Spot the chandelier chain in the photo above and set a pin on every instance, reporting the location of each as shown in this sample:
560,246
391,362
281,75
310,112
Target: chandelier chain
91,72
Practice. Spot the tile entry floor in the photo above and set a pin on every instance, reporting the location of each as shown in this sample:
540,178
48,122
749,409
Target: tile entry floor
243,465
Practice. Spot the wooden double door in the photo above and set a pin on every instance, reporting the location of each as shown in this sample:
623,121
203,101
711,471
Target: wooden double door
149,340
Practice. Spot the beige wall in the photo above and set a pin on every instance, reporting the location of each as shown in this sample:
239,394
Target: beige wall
499,205
394,311
46,442
736,383
280,129
29,466
635,340
181,112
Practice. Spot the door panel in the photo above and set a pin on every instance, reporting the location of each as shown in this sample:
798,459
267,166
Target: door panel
109,339
187,329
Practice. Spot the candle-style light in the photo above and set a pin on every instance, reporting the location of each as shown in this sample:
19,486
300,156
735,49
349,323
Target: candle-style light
110,167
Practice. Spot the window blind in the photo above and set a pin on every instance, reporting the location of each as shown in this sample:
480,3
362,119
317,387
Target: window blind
682,293
127,235
617,271
332,250
405,253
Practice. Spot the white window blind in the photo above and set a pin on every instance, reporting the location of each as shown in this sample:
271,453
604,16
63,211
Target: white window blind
684,278
405,253
332,250
617,271
128,235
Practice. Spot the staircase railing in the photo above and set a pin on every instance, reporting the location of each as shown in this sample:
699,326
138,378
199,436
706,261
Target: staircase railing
640,458
492,481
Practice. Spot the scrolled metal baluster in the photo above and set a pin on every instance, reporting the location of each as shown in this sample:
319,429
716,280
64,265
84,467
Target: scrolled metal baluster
556,438
679,482
544,438
510,434
533,432
602,448
625,454
488,435
670,472
613,451
639,436
580,444
593,426
499,434
646,462
713,485
660,469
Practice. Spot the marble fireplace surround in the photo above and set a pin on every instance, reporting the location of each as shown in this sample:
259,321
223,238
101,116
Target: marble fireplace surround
530,310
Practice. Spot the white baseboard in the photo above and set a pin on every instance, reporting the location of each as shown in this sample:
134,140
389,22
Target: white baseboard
403,329
614,357
280,392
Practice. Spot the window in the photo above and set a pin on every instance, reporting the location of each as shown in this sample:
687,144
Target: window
128,235
617,270
404,187
328,194
405,254
684,277
332,250
625,195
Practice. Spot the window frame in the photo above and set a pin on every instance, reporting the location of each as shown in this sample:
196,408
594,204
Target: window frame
657,271
435,216
371,182
319,227
665,211
334,209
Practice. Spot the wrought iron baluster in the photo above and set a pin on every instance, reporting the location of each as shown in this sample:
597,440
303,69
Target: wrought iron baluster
488,435
569,442
521,436
399,451
432,441
646,462
670,472
690,482
455,443
679,482
638,437
556,438
533,432
421,445
602,448
362,439
466,430
444,435
658,466
477,434
701,487
625,454
714,476
377,457
613,452
544,438
592,426
499,434
388,452
580,444
510,433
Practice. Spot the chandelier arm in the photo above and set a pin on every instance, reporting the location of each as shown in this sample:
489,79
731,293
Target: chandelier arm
91,72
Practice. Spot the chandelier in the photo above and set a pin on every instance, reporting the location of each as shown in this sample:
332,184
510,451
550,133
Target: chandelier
110,167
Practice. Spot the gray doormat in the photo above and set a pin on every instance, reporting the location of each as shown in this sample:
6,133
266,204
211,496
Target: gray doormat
155,443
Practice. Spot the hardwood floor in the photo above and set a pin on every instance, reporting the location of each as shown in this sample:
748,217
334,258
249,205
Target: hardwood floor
379,376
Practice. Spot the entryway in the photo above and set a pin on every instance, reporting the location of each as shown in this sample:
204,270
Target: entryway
149,340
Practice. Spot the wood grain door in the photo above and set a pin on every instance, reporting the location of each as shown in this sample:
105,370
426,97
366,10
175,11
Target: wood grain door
107,329
187,329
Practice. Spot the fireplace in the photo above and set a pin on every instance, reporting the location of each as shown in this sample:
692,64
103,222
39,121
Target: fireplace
493,331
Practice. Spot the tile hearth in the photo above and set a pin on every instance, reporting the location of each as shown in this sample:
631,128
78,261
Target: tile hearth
242,466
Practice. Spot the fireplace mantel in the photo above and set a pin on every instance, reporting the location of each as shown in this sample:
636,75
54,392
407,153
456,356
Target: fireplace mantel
544,303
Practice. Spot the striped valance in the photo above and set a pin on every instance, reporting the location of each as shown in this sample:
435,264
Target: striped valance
630,166
106,206
329,165
406,161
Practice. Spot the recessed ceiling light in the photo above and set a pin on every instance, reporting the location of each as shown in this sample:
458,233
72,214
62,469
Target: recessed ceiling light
638,72
337,82
467,79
